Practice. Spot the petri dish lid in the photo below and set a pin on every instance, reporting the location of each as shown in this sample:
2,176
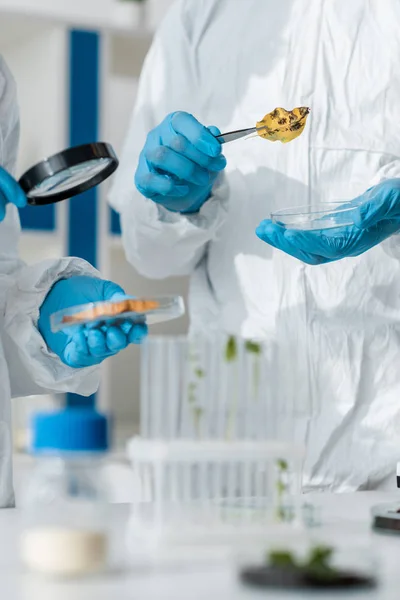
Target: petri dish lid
68,173
324,215
137,310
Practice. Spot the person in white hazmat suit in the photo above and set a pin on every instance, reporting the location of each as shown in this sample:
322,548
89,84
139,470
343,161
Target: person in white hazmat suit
33,360
335,327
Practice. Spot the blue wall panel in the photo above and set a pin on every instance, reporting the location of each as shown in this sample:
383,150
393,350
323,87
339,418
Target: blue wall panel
84,115
39,218
83,128
115,223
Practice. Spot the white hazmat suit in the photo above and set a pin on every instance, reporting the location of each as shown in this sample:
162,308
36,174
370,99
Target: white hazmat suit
26,365
336,327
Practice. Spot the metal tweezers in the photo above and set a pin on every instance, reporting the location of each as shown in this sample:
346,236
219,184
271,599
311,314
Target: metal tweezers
230,136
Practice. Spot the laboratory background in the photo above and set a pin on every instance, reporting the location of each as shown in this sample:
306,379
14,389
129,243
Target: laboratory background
77,64
259,448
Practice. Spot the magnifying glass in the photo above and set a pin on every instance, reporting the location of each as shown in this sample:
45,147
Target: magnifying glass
68,173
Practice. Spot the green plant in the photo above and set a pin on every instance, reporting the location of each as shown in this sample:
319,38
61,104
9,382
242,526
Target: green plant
197,373
281,558
282,465
231,354
253,347
317,564
197,415
281,488
231,349
256,350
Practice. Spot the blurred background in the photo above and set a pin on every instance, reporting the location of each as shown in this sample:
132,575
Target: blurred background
77,64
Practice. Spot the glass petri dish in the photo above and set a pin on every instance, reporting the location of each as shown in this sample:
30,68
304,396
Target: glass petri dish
354,562
137,310
325,215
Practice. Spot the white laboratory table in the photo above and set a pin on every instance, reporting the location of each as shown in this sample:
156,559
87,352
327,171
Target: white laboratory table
348,513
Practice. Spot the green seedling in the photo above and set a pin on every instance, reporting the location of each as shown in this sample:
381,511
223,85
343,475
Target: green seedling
281,489
197,415
256,350
317,564
279,558
231,354
253,347
231,349
282,465
198,373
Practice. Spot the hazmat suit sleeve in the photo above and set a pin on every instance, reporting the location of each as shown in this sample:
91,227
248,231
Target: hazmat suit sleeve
157,242
32,368
391,170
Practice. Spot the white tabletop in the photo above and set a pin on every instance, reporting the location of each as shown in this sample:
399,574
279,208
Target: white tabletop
348,514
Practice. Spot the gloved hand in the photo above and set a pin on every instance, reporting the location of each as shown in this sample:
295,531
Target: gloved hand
376,217
84,346
179,163
10,192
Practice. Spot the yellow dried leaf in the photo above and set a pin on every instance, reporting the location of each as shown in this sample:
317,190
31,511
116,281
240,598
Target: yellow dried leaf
283,125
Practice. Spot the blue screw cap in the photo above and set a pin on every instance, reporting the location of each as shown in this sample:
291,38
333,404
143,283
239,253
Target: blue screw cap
70,430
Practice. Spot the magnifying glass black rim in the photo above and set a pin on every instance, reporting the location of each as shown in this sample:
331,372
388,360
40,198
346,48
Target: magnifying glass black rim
63,160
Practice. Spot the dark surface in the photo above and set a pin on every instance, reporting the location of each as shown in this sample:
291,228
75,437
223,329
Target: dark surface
289,577
386,524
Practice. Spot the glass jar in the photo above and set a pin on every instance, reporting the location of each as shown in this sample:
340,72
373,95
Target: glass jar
65,505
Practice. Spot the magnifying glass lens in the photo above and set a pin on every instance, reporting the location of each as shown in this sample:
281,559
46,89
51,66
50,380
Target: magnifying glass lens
68,173
69,178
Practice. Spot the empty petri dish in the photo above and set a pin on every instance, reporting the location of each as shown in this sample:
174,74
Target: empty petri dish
137,310
325,215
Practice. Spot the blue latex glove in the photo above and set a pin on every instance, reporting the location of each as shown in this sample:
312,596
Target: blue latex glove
10,193
86,345
179,163
377,217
